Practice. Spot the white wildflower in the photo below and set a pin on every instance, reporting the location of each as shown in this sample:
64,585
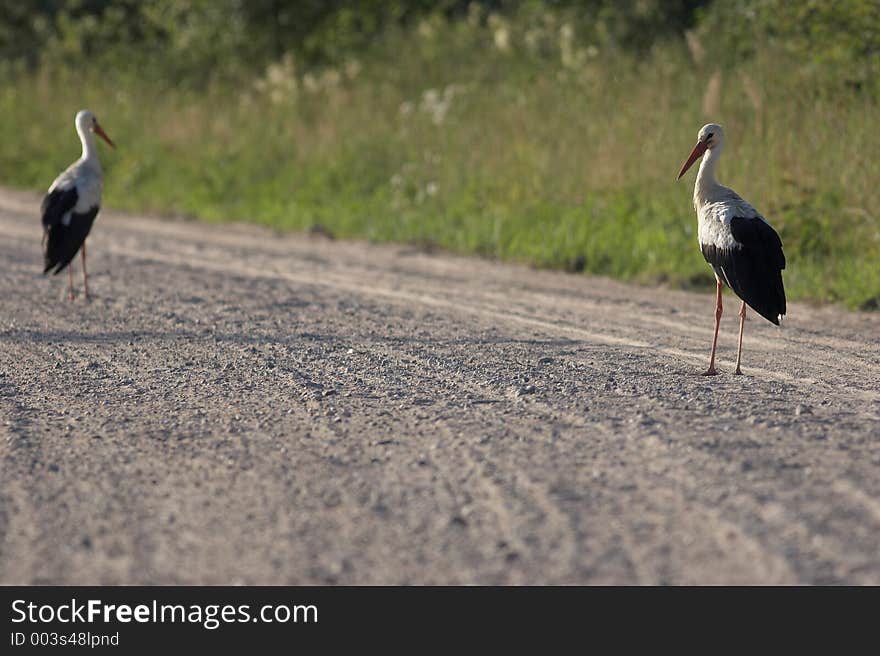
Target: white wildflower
502,39
500,32
279,81
570,56
435,105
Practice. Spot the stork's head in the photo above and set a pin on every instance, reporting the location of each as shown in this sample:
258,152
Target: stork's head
86,121
710,136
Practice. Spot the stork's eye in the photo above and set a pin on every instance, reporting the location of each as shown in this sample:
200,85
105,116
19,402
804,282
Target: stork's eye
709,136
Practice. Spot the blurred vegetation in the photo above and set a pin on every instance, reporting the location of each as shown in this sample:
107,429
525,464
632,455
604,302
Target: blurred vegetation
544,132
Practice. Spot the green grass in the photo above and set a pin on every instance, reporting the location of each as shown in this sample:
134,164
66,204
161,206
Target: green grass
531,154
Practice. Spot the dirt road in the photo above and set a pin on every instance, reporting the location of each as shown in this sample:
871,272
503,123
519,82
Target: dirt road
236,406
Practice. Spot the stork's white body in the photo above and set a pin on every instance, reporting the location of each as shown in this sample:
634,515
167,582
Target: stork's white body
86,176
715,211
72,203
740,245
717,205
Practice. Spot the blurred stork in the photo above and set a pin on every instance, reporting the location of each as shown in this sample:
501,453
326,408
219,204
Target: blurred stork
72,203
740,245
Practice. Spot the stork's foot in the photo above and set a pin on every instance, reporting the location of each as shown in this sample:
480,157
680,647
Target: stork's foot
738,372
711,371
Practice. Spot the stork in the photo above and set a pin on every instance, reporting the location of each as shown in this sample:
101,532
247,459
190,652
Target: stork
743,249
72,203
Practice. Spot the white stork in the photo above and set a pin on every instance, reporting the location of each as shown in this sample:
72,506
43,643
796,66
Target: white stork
73,201
739,243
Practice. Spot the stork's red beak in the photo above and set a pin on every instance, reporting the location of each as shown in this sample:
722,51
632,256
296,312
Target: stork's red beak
696,154
100,132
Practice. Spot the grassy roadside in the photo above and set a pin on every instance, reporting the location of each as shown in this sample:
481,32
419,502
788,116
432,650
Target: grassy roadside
456,136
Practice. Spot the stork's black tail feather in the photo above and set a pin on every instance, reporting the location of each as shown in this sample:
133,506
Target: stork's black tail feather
62,242
754,268
768,298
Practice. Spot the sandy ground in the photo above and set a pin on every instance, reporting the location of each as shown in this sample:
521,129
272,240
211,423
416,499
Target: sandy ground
236,406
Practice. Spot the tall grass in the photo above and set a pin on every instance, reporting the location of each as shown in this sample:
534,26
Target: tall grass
504,139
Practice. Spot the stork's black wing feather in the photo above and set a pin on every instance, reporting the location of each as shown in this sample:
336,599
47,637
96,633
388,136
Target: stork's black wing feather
759,237
61,241
57,203
753,269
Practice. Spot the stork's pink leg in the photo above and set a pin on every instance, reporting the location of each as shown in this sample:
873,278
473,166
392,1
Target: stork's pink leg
719,308
85,273
70,279
739,350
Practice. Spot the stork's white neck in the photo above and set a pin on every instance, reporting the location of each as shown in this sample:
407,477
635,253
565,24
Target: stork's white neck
707,187
89,151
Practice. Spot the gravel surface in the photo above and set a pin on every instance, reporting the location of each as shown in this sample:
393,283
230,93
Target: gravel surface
238,406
